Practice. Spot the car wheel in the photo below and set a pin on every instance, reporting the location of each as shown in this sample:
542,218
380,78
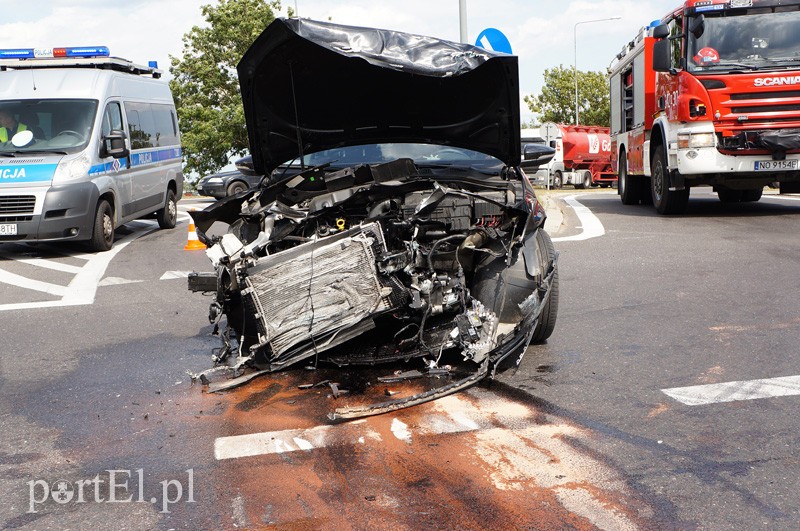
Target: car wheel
103,230
547,319
168,216
587,180
665,200
558,180
236,188
628,187
751,196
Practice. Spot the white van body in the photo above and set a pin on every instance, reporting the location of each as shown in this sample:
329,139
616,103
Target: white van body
64,184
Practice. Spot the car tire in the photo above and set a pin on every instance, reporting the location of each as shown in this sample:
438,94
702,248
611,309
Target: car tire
726,195
587,180
558,180
103,229
751,196
168,216
628,186
236,187
547,319
665,200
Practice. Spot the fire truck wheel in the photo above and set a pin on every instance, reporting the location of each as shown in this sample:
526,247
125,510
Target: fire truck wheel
628,186
665,200
726,195
749,196
558,180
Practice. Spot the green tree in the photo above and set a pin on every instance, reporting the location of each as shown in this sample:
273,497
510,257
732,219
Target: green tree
205,84
556,102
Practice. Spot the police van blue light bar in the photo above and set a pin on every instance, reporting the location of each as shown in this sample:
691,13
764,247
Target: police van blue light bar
49,53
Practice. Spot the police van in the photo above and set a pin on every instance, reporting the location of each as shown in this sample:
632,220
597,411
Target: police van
88,142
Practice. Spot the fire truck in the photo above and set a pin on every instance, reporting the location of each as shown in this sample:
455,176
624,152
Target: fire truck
582,157
708,96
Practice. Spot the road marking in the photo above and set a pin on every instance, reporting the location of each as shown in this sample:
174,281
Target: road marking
40,262
453,415
400,430
83,287
591,225
116,281
7,277
697,395
169,275
279,442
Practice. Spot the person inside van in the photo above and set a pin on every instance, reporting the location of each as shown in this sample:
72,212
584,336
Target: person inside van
31,121
9,126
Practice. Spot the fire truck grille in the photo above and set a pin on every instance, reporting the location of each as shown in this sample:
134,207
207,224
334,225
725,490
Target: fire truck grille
755,109
762,95
17,204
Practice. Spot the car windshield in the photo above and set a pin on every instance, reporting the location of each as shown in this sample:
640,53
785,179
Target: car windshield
758,38
60,126
421,154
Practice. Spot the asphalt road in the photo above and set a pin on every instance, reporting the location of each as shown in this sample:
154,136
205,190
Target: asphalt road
581,436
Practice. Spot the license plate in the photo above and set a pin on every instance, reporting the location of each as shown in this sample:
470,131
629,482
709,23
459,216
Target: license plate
776,165
8,229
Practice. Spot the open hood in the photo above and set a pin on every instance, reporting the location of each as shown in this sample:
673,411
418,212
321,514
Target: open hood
309,86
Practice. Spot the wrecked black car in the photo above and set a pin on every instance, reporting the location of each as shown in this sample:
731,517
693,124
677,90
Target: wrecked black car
398,224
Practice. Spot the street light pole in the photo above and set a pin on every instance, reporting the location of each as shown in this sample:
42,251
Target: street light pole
575,60
462,19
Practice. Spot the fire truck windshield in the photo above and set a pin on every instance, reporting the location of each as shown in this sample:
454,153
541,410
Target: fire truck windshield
745,40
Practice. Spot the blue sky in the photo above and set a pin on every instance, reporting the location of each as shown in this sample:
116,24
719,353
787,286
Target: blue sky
541,33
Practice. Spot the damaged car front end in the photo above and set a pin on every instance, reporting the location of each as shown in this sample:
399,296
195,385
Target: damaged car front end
397,226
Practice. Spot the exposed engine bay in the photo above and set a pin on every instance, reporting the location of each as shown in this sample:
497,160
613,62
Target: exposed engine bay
395,227
379,263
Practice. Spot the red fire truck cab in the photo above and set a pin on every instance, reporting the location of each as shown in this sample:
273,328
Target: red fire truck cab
709,95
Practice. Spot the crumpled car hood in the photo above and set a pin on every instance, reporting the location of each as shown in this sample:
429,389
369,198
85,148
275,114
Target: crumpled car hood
309,86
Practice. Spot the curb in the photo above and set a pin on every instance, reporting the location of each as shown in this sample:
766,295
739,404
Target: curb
552,208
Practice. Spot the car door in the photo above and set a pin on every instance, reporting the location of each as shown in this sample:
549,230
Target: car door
147,182
117,168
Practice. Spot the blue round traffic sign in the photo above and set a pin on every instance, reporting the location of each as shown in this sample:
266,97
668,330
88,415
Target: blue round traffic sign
493,39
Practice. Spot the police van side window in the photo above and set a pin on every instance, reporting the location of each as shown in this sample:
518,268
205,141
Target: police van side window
140,123
151,125
112,118
165,131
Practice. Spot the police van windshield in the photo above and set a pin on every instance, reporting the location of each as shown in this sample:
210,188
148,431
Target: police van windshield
751,39
57,125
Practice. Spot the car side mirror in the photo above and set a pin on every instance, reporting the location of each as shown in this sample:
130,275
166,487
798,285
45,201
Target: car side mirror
114,144
661,31
697,26
662,60
535,155
245,165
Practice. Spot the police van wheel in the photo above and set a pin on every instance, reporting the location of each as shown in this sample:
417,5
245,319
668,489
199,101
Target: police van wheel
168,216
103,232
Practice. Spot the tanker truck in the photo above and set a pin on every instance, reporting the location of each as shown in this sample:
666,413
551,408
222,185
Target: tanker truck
583,155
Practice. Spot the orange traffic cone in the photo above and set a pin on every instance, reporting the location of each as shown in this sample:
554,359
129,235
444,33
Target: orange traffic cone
193,244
